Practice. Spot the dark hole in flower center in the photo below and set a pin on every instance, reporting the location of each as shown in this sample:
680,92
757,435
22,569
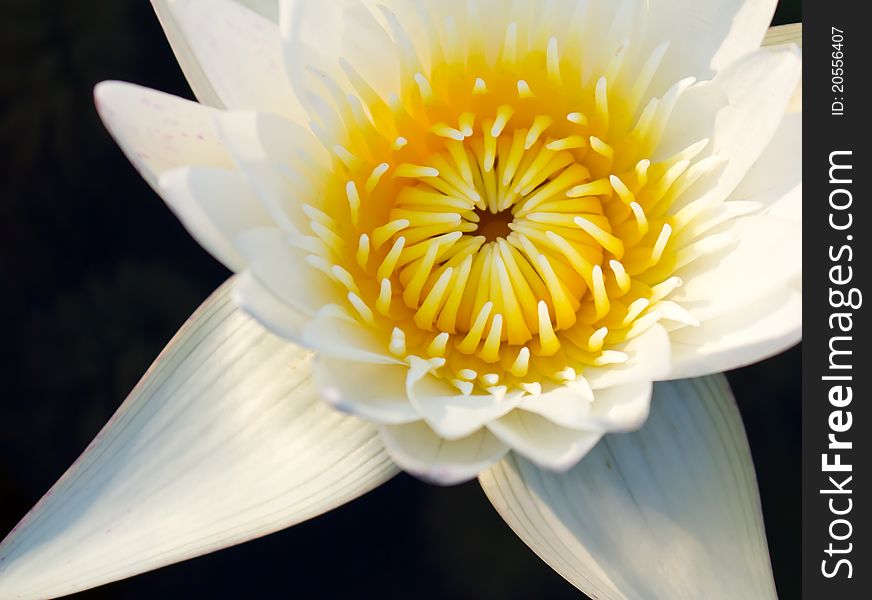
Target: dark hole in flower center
494,226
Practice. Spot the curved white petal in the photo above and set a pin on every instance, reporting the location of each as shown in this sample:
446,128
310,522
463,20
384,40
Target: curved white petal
763,260
775,179
542,441
451,414
275,314
758,90
742,337
648,360
230,53
576,406
568,405
283,270
283,161
322,35
335,333
706,35
158,131
418,450
372,391
223,440
215,206
203,90
671,511
738,112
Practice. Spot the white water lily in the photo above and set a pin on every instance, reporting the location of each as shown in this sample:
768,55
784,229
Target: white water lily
497,224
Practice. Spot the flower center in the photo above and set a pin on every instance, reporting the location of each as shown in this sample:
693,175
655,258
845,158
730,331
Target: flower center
493,226
507,222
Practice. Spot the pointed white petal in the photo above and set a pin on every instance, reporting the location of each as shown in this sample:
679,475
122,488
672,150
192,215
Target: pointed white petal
201,86
372,391
670,511
215,206
238,51
158,131
542,441
418,450
223,440
739,338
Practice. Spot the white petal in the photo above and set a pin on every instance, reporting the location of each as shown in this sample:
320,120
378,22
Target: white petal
320,36
416,449
648,361
193,70
283,270
275,314
215,206
775,179
545,443
450,413
237,51
670,511
758,89
158,131
706,35
738,112
766,256
224,440
618,408
739,338
567,405
372,391
336,333
269,9
282,160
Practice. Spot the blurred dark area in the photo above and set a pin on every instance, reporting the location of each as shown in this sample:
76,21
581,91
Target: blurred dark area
96,277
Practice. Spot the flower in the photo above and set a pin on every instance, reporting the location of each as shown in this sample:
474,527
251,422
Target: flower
497,224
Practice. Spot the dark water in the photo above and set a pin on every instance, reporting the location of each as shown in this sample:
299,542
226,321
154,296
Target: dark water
97,275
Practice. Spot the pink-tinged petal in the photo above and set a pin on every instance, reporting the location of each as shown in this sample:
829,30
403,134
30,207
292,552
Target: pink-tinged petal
223,440
158,131
670,511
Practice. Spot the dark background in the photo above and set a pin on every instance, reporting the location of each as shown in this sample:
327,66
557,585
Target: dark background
97,275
